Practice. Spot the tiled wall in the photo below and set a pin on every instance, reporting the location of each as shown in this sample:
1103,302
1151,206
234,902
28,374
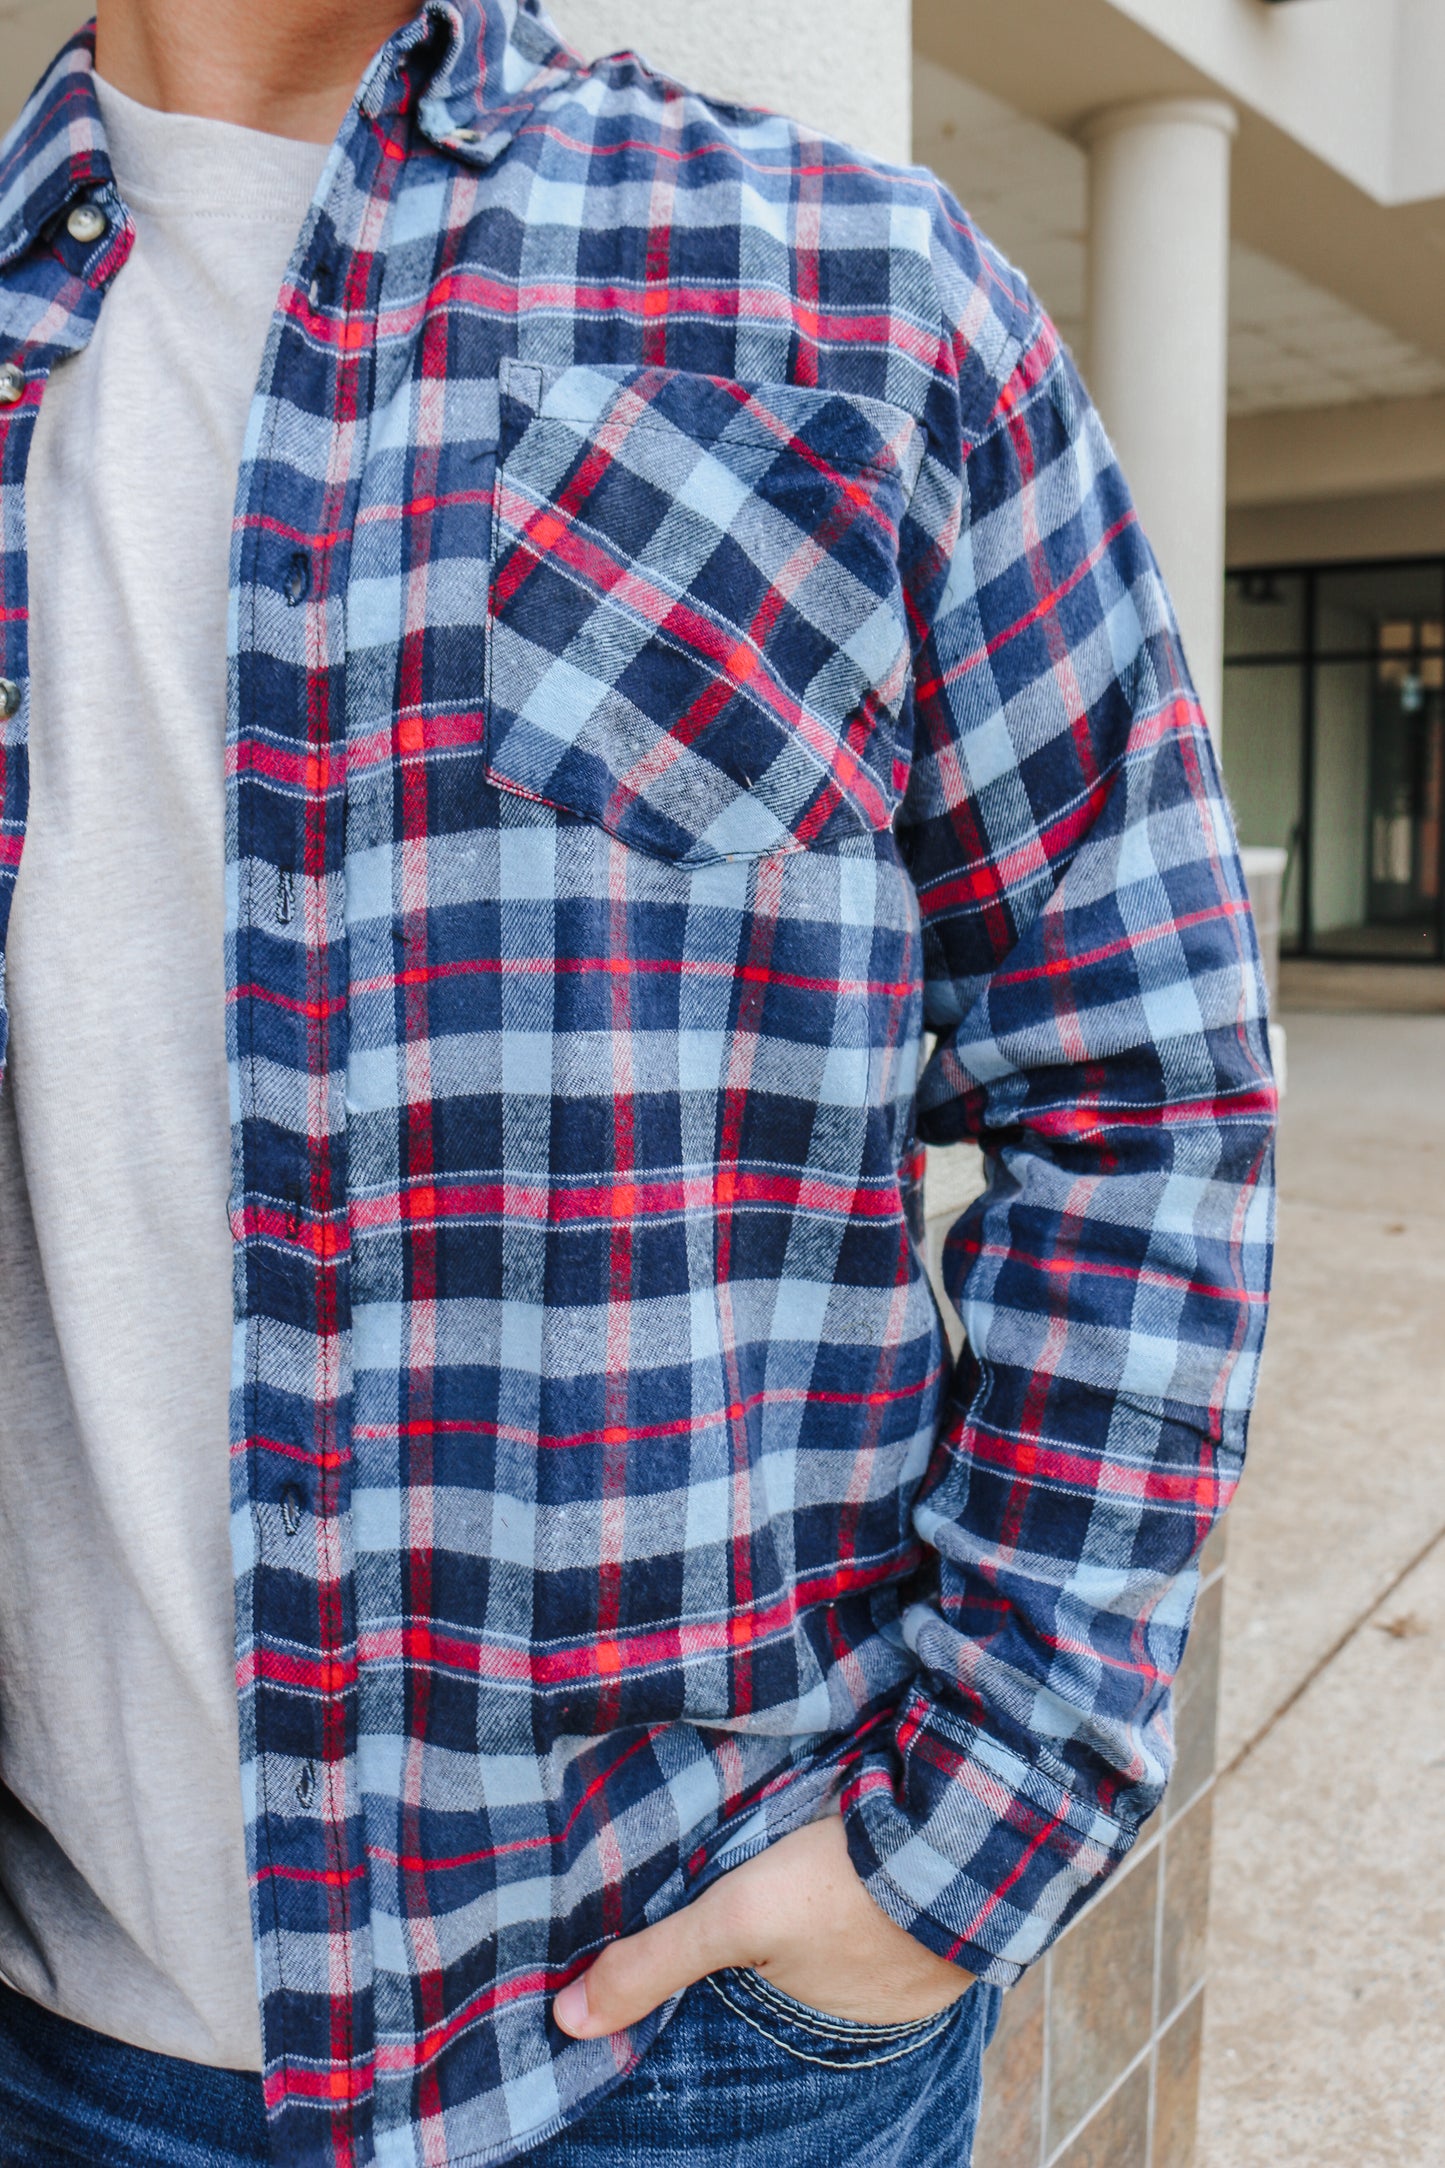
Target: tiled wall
1096,2060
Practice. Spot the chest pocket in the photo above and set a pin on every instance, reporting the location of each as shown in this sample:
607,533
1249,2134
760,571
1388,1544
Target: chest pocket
697,634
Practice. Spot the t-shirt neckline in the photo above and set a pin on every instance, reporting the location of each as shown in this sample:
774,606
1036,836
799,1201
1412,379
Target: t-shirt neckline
183,163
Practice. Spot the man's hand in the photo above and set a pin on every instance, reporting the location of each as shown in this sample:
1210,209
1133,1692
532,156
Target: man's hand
796,1913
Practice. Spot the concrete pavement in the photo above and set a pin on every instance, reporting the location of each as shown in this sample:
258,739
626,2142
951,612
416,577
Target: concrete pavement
1325,2028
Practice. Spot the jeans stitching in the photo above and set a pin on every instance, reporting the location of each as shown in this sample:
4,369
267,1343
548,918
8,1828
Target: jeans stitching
896,2051
822,2021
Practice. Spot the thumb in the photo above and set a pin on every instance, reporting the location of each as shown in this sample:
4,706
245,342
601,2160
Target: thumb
633,1977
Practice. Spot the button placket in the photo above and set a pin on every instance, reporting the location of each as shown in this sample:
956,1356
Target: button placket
290,988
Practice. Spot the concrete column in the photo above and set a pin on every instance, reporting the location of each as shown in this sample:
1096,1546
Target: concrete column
1158,311
843,66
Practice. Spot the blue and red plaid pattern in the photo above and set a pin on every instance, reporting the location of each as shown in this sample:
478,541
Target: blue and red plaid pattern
690,640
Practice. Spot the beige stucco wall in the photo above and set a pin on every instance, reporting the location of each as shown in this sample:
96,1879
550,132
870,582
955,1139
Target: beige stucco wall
1339,451
1399,523
845,66
31,33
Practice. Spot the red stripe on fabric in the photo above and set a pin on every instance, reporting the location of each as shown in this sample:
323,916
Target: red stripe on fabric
1085,959
346,2083
396,2058
734,1633
596,152
417,1461
412,731
663,966
1027,1854
430,1200
1095,1473
562,1834
280,1871
617,1390
248,990
690,1426
597,1203
659,230
1077,1122
1017,1253
618,297
320,772
1042,851
1048,601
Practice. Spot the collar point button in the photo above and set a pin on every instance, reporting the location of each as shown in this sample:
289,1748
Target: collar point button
86,223
12,384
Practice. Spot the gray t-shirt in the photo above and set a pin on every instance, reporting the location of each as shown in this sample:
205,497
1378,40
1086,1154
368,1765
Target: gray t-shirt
122,1862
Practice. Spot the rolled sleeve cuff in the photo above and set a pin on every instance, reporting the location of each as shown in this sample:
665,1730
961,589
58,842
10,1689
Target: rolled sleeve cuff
974,1850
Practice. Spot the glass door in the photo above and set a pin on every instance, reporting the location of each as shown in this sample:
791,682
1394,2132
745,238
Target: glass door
1407,757
1375,761
1334,747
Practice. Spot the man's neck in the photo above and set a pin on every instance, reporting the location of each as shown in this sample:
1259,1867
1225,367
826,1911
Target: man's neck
288,67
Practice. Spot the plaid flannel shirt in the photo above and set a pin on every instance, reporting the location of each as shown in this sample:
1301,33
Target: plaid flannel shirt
690,640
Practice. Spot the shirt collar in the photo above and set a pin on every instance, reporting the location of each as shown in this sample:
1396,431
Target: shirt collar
55,151
481,67
497,59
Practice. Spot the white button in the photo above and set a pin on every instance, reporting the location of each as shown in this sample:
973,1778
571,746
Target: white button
9,698
12,384
87,222
466,135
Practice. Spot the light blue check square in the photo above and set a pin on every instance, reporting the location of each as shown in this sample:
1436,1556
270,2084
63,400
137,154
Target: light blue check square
564,702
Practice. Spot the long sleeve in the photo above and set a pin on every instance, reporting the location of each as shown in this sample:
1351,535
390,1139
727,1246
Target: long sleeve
1093,985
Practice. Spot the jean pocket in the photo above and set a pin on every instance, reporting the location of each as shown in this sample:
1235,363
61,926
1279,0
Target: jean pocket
816,2036
697,636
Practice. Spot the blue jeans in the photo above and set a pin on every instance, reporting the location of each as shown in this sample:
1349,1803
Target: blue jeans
743,2077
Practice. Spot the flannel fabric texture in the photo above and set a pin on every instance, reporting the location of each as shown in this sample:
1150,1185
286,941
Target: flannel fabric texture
703,723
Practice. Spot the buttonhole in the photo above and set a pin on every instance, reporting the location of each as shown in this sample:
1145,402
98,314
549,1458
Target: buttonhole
293,1217
297,584
290,1509
285,895
306,1783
